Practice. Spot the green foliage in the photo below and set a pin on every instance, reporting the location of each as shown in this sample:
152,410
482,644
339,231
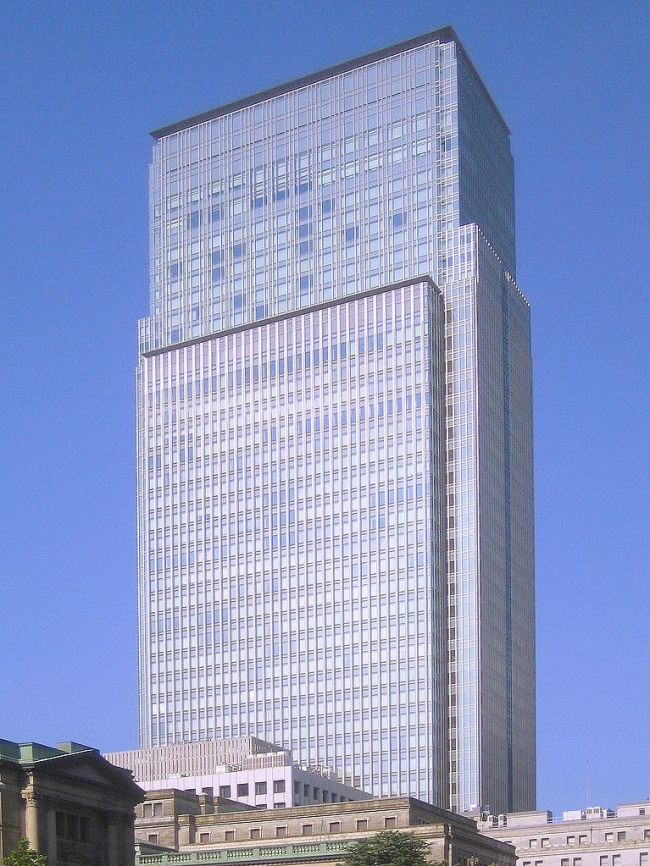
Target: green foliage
388,848
25,856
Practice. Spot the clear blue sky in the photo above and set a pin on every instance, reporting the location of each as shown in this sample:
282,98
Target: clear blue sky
81,85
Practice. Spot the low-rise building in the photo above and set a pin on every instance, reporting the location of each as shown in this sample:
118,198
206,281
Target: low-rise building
244,769
591,837
70,803
204,830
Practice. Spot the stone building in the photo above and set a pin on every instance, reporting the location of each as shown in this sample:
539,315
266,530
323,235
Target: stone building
70,803
591,837
205,830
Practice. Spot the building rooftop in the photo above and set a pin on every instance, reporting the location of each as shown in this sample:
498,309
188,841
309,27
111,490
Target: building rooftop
443,34
28,753
542,817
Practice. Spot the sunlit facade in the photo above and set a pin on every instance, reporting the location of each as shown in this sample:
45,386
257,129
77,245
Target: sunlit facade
334,433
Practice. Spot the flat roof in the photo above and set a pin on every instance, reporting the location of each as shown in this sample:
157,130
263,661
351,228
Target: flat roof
444,34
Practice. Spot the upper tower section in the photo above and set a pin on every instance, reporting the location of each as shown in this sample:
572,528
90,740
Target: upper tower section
330,185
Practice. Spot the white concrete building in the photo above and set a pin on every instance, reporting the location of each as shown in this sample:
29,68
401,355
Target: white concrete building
244,769
591,837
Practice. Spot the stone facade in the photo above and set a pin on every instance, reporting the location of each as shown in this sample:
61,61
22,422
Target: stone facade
590,837
71,804
205,830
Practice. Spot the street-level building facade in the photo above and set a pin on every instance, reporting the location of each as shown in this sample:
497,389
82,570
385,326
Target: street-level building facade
335,547
68,802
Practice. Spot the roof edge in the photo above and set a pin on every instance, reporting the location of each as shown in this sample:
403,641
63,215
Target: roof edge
444,34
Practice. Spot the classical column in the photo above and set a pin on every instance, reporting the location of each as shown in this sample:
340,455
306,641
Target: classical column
51,833
113,842
31,819
2,820
449,845
128,838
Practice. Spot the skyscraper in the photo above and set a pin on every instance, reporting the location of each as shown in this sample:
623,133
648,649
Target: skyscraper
335,527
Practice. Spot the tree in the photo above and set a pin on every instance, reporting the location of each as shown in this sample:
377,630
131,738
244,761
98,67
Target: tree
25,856
388,848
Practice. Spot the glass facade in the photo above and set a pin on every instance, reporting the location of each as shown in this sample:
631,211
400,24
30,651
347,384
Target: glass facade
334,436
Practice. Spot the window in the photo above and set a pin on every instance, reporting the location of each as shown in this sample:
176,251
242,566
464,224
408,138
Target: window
153,838
335,826
577,861
532,843
362,824
604,860
152,810
278,786
260,788
389,823
296,788
620,836
539,862
256,833
204,837
305,790
280,805
643,858
224,791
242,790
646,834
280,832
616,860
546,843
316,793
582,840
229,836
73,827
609,837
571,840
307,829
564,861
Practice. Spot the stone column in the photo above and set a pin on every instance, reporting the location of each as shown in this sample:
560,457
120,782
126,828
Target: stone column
51,833
128,838
2,820
185,830
113,852
31,819
449,845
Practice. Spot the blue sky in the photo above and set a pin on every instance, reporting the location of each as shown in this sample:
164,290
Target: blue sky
81,85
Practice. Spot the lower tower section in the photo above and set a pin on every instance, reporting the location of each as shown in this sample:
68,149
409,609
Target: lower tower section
292,575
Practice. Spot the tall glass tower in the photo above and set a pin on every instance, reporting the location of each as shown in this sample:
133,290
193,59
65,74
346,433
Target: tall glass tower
335,513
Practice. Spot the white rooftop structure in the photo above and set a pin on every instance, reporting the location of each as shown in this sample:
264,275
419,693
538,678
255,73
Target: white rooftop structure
245,769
